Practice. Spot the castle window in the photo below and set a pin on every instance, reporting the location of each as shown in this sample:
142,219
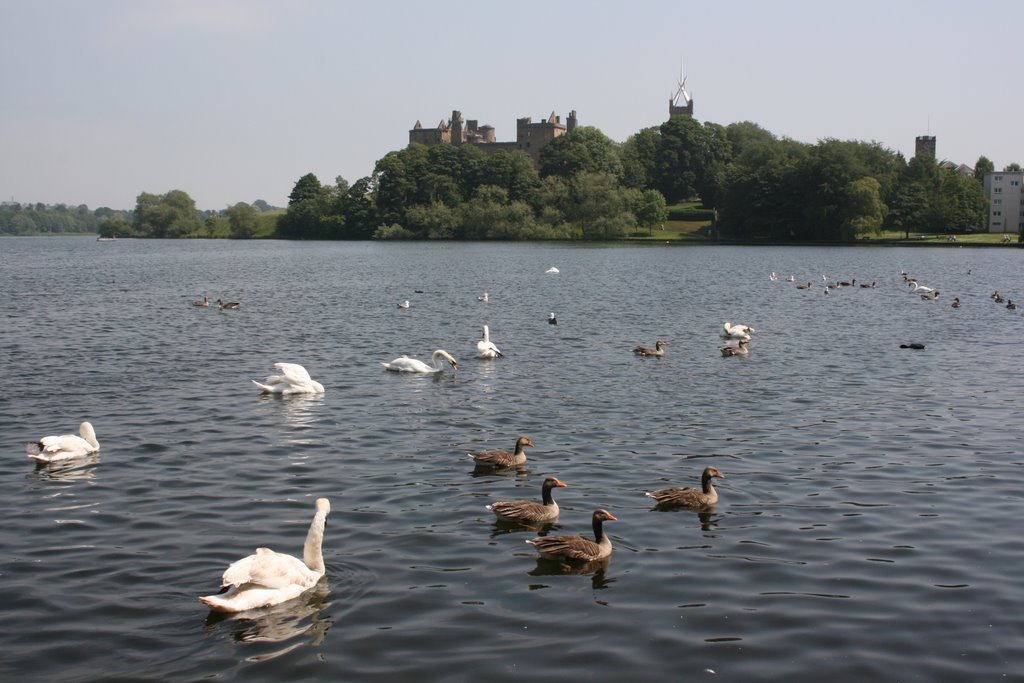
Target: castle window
997,190
999,178
997,201
997,213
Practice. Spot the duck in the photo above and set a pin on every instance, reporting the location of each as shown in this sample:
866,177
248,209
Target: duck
501,458
730,331
930,296
1012,306
294,379
577,547
956,302
404,304
739,350
483,297
806,286
552,320
65,447
406,364
552,270
485,348
227,304
912,345
202,303
867,286
658,351
268,578
790,279
687,496
998,299
995,295
530,511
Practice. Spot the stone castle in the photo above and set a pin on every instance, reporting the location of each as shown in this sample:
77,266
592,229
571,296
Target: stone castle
530,137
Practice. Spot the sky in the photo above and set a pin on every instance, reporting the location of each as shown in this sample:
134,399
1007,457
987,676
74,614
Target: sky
235,100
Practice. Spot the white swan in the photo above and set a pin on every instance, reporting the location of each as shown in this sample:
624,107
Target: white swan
773,277
483,297
737,331
406,364
268,578
485,348
919,288
404,304
294,379
552,269
65,447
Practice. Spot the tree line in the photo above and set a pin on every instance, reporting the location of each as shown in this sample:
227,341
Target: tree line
587,187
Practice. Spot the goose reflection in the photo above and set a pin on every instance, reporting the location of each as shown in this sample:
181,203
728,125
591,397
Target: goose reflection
501,527
596,570
281,623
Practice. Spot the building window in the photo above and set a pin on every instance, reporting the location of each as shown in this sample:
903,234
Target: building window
997,201
1015,182
999,178
997,213
997,190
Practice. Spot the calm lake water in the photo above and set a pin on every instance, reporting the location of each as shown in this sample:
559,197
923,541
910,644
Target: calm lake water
869,521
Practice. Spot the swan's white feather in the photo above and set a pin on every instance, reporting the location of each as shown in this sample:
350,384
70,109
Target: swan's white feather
294,379
65,446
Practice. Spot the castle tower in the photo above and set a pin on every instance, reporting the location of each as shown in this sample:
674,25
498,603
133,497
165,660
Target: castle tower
458,129
681,104
924,146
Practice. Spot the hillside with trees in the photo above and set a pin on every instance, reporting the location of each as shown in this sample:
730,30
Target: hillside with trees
756,187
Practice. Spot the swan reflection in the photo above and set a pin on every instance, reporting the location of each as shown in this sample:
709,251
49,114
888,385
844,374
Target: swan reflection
78,469
297,409
288,621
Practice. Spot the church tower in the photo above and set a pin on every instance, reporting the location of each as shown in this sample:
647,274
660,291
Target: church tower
681,104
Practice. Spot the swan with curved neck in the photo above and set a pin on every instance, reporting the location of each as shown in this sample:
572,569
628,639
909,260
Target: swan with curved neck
406,364
64,447
577,547
269,578
294,379
485,347
690,497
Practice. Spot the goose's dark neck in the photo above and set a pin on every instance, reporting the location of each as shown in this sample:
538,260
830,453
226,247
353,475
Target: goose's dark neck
545,494
705,483
519,448
598,528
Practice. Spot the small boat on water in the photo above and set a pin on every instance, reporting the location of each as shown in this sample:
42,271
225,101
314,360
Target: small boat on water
106,239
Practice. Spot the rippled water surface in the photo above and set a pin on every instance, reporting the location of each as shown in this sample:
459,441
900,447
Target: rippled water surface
869,521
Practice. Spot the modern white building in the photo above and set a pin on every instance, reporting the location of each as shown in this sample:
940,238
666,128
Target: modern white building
1005,201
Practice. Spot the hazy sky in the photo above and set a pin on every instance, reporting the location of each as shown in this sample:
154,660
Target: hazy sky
235,100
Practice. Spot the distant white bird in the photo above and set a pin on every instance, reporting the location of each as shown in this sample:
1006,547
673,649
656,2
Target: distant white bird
406,364
404,304
552,269
483,297
790,279
294,379
552,320
915,287
57,448
737,331
485,347
268,578
772,276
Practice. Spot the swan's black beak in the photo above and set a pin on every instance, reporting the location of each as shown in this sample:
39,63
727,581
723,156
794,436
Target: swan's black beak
455,366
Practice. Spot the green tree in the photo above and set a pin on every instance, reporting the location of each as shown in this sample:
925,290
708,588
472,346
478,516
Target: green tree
308,205
650,209
585,150
167,215
243,220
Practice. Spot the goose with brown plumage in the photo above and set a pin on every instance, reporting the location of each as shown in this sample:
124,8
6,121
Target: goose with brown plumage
501,458
529,511
690,497
658,351
577,547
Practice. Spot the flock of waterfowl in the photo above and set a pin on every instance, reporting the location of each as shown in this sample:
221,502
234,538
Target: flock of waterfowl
223,305
268,578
